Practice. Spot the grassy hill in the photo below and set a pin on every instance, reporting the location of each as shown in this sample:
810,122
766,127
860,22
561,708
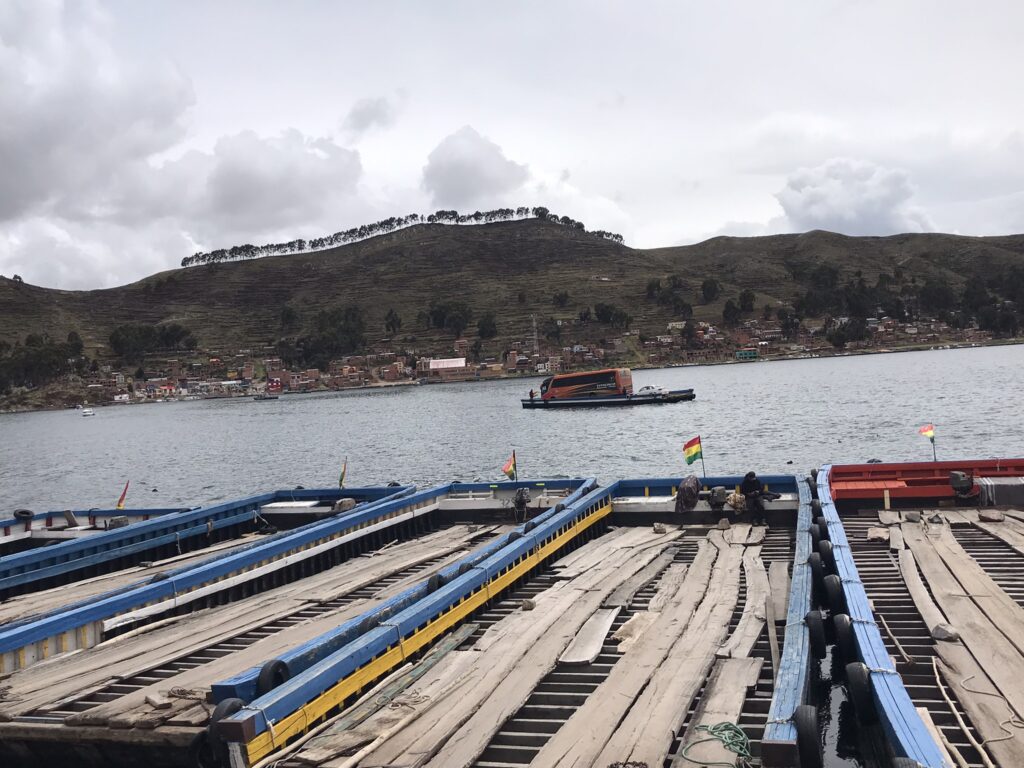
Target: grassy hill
238,304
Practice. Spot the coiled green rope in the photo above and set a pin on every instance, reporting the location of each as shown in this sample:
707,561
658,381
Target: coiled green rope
733,739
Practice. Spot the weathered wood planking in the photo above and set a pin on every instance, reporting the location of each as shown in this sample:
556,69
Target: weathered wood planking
583,736
586,646
625,593
926,718
742,640
674,575
1000,659
895,539
1002,610
456,729
982,702
722,702
933,618
645,734
778,579
67,677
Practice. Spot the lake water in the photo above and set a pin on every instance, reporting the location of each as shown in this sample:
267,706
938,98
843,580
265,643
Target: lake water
772,417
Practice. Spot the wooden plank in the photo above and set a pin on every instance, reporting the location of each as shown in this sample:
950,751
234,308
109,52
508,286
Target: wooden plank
737,534
773,634
584,735
671,580
345,733
778,579
996,655
938,625
722,702
586,646
1002,610
751,622
895,539
461,722
982,702
756,535
889,517
645,734
940,741
624,595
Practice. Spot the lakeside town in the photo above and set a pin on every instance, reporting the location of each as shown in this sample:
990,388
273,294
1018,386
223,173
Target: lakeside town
201,374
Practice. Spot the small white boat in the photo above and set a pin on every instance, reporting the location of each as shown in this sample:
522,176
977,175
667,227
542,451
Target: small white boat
88,412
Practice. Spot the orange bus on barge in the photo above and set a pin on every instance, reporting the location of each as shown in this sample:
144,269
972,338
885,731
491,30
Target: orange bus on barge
605,387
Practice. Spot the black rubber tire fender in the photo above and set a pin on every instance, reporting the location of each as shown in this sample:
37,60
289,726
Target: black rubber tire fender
435,582
846,640
828,558
815,532
272,674
464,568
201,752
529,526
822,524
23,514
834,594
514,536
816,633
858,684
808,737
559,507
226,708
817,572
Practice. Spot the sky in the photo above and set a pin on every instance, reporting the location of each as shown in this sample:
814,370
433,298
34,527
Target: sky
133,134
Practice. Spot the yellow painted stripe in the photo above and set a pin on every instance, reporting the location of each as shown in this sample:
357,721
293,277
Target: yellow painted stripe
302,719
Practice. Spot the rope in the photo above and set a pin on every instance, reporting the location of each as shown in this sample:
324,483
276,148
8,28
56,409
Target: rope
731,736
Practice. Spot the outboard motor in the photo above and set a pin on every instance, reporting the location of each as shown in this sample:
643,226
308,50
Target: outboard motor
717,498
962,483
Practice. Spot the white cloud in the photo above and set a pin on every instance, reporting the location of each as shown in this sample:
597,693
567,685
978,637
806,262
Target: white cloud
74,114
467,170
367,114
852,197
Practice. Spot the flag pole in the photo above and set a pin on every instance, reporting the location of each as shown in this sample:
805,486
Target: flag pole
934,456
702,467
515,465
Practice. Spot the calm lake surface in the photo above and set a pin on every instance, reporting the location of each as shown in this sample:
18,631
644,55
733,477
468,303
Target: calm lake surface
772,417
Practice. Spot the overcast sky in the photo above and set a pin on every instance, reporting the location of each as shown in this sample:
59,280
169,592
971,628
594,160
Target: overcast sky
135,133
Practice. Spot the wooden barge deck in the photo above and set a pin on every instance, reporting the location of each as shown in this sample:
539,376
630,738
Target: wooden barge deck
496,646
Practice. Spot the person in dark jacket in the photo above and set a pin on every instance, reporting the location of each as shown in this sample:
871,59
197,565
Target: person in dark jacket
753,492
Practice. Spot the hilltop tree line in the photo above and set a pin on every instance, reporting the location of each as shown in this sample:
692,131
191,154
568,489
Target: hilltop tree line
386,226
40,360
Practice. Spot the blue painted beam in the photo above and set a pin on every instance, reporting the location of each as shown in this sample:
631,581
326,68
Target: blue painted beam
186,578
904,728
791,679
302,657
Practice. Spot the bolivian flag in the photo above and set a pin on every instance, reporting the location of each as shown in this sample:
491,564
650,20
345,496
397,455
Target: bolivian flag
928,430
691,450
124,495
510,467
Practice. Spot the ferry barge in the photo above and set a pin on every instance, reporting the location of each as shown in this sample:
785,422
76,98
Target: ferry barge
609,387
590,625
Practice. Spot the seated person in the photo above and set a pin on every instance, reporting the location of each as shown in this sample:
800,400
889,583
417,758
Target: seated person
752,490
